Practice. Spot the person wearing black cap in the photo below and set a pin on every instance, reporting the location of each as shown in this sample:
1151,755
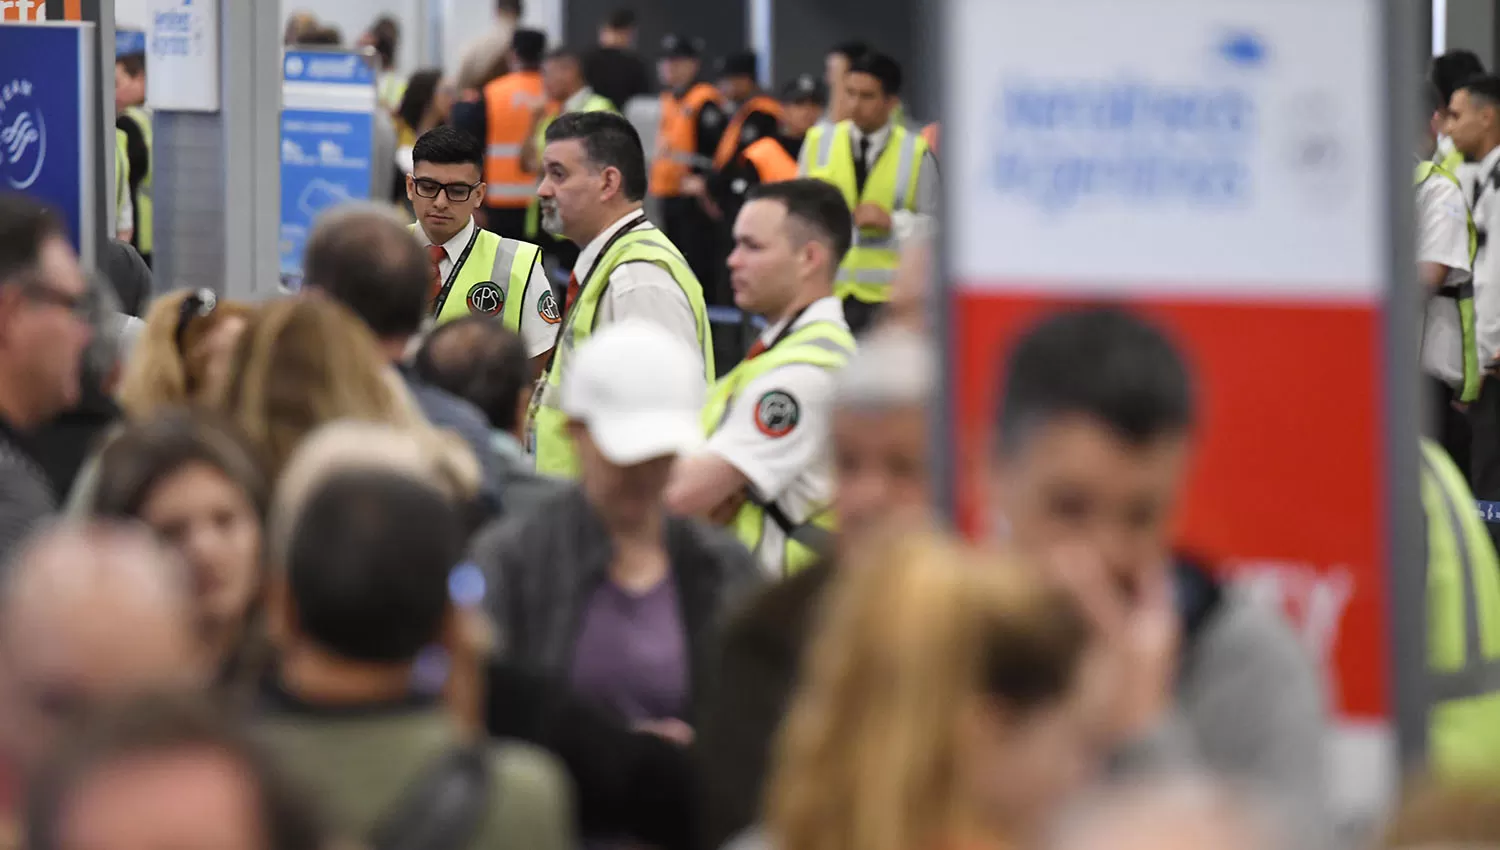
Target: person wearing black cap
692,122
772,157
757,114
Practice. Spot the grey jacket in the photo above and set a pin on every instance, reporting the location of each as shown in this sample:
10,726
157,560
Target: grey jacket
543,565
26,497
1250,708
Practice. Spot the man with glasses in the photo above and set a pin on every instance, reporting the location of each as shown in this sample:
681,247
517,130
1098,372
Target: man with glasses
474,271
43,332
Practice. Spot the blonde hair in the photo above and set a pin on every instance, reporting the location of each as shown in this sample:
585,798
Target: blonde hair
305,362
423,453
158,374
916,630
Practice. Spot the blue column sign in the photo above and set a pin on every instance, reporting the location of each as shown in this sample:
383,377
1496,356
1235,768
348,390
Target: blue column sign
45,126
327,129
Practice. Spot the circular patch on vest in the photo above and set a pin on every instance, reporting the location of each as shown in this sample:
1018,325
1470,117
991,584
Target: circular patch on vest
777,413
546,307
486,299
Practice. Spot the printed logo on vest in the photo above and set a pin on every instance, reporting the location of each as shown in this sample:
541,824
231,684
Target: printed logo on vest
777,413
486,299
546,307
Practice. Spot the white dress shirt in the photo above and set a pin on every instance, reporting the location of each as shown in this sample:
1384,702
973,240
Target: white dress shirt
640,290
1443,237
1485,204
539,325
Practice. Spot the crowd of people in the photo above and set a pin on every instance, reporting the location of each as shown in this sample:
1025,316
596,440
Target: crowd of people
492,536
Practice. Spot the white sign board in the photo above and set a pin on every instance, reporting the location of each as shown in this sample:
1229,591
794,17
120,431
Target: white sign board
182,55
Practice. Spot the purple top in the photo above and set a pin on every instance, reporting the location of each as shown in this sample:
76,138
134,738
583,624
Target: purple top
631,655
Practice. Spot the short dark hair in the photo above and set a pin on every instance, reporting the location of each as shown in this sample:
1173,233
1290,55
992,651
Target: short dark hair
1103,363
881,67
1449,71
850,50
530,46
133,64
482,362
25,226
145,453
817,205
159,725
445,145
514,7
1432,101
385,34
421,88
622,18
1485,87
368,565
609,141
566,54
364,259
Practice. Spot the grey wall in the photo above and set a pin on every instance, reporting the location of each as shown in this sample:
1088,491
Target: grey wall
1471,25
803,30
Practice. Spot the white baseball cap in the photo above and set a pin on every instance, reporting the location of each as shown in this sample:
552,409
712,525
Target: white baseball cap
639,390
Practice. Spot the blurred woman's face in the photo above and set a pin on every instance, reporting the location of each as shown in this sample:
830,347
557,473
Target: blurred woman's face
1026,765
211,522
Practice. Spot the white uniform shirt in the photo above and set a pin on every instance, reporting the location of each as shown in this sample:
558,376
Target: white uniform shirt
1486,206
538,329
777,433
1443,238
641,291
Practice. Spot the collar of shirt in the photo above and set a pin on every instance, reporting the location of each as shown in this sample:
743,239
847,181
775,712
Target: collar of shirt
1489,162
828,309
579,99
455,246
877,138
592,250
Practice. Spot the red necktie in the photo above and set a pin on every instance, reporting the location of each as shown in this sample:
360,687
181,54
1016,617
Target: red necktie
437,254
572,293
756,350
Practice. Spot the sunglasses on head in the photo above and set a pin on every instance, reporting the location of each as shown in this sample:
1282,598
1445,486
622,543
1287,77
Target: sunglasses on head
199,304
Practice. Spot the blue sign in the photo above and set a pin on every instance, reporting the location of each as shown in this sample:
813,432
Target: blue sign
130,43
327,143
42,103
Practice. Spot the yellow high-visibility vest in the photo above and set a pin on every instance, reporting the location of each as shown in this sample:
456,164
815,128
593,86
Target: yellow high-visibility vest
489,278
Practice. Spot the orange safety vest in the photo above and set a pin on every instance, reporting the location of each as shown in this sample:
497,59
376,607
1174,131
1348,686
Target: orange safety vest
677,140
930,133
508,103
771,160
729,143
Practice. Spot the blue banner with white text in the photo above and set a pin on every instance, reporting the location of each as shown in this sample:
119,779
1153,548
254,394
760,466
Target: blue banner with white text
42,117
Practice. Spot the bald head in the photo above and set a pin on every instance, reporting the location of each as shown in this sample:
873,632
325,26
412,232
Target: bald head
1184,813
364,257
89,613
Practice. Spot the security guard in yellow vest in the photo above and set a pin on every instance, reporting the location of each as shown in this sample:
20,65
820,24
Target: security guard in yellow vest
135,123
767,469
475,271
592,189
886,174
567,91
1463,625
124,206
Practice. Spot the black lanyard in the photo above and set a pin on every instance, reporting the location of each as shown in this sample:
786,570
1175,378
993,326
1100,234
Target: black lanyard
787,330
568,317
458,265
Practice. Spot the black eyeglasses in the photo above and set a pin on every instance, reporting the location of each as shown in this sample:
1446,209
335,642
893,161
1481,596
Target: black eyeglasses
457,192
199,304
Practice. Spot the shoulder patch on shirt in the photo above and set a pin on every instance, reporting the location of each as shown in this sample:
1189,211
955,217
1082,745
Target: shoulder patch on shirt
546,307
486,299
777,413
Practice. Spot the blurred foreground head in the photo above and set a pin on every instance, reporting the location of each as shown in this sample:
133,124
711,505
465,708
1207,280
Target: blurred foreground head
880,427
1091,441
1181,813
162,771
87,614
943,700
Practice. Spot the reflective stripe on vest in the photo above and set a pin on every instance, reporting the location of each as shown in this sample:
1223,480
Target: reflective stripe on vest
827,345
1462,294
595,103
1452,162
729,143
504,264
122,179
677,139
870,266
547,433
144,233
1463,623
508,105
